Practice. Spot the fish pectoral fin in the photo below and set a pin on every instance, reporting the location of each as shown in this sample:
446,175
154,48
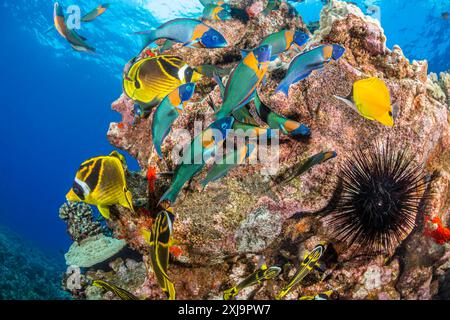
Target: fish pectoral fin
191,44
104,211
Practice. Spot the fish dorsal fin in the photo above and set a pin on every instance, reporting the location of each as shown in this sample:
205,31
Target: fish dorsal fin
119,156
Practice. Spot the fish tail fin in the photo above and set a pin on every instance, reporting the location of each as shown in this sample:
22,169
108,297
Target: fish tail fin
284,88
49,29
104,211
147,37
170,195
219,81
302,130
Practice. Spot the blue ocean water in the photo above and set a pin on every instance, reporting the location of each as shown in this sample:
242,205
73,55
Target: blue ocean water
56,102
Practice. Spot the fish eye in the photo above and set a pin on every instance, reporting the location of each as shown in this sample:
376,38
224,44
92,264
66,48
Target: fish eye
215,38
188,88
263,49
390,113
137,84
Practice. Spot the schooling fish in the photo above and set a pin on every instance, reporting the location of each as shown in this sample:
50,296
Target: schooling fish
216,12
371,99
92,15
168,111
159,240
305,268
59,20
210,70
149,80
305,63
78,42
258,277
189,32
278,122
121,293
195,156
230,161
244,80
282,41
101,182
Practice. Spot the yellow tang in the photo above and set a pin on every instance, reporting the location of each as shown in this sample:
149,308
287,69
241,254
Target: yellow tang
150,80
121,293
372,100
101,182
159,240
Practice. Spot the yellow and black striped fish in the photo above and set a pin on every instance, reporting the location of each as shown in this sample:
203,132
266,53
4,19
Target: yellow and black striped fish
308,264
121,293
150,80
101,182
159,240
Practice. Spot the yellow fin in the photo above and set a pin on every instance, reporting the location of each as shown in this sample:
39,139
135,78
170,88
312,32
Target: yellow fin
146,234
104,211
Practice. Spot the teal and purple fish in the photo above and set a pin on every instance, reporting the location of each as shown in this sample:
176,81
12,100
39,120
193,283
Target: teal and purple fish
305,63
168,111
216,13
244,80
282,41
202,148
276,121
189,32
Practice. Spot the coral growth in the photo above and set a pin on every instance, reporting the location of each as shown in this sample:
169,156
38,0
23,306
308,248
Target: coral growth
221,229
80,221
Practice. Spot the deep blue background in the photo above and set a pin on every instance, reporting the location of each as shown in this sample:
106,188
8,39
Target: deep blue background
56,104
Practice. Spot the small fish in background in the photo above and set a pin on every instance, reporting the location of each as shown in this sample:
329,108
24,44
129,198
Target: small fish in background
299,169
435,229
201,149
97,12
445,15
150,80
76,41
101,182
371,99
258,277
160,240
119,292
282,41
244,80
327,295
231,160
190,32
304,269
278,122
305,63
168,111
216,13
210,70
221,3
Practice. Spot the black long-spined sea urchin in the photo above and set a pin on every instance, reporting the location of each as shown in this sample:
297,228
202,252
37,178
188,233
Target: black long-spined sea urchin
381,189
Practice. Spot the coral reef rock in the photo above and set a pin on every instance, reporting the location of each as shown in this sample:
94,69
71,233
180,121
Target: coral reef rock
80,221
221,228
93,250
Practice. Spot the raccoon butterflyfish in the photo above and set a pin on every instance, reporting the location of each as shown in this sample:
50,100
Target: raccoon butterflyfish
244,80
370,98
149,80
168,111
308,264
189,32
259,276
159,240
92,15
101,182
119,292
306,62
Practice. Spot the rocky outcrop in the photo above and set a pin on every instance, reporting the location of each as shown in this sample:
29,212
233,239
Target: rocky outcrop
222,229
